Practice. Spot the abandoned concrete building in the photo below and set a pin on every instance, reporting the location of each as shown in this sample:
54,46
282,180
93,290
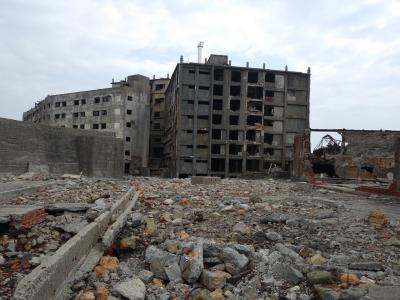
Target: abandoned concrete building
228,121
122,109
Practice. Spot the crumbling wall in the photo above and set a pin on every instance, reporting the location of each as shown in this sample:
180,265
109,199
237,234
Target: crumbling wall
63,150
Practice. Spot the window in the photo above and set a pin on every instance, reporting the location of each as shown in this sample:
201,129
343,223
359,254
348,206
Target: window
233,120
82,126
83,101
128,124
76,102
204,88
204,72
156,126
217,119
253,77
217,104
159,87
96,113
97,100
106,98
235,76
157,140
82,114
130,98
56,116
76,114
269,77
57,104
218,90
128,138
75,126
104,113
235,90
218,74
157,114
95,126
127,152
63,116
128,111
159,100
64,103
103,125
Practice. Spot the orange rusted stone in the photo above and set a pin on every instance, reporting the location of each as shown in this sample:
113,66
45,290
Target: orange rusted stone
349,279
157,282
102,293
87,296
184,201
173,295
377,218
106,263
217,295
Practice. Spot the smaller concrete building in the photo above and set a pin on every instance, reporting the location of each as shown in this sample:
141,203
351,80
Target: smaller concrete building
122,109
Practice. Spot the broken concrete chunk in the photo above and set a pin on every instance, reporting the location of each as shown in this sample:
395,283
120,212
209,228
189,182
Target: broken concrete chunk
234,261
214,279
133,289
191,261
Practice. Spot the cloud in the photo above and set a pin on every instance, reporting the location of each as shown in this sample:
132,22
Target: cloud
353,48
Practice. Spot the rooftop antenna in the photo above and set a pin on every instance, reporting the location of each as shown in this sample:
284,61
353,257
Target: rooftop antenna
199,50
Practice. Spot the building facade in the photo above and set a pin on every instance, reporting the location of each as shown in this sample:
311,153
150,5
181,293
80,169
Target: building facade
157,124
231,121
122,109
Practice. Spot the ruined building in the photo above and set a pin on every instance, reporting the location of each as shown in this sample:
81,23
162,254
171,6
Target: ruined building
229,121
122,109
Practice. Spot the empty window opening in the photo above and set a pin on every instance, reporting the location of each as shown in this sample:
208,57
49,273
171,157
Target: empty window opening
95,126
217,104
254,107
253,149
204,72
215,149
202,147
75,126
202,131
76,102
203,117
128,124
269,77
157,114
83,114
58,104
192,71
63,116
127,152
268,138
159,100
126,168
268,111
268,123
76,115
269,95
254,120
82,126
157,140
218,74
217,119
158,152
218,164
255,92
235,149
234,105
130,98
96,113
269,151
324,167
64,103
159,87
216,134
235,76
369,169
204,88
252,165
97,100
252,77
128,111
233,120
103,126
218,90
156,126
83,101
128,138
251,135
203,102
104,113
106,98
234,135
235,90
235,166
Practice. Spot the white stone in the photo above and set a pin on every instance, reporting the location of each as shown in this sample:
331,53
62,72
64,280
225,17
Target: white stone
133,289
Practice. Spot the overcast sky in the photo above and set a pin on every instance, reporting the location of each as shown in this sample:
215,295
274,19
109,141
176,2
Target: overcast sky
352,47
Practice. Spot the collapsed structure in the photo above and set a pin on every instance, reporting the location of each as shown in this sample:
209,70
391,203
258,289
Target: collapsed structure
211,118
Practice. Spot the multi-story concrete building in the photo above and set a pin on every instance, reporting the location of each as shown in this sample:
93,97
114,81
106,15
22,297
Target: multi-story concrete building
230,121
157,124
122,109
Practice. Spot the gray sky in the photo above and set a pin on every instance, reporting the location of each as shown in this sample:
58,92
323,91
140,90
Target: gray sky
352,47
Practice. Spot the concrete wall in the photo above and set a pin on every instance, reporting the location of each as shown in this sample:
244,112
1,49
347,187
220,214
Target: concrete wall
63,150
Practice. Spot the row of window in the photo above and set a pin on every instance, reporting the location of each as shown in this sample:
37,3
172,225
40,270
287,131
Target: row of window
95,113
252,76
96,100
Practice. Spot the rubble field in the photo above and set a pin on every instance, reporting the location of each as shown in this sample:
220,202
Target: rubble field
65,207
250,239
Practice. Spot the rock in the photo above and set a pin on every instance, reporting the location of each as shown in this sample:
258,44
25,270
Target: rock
168,201
274,218
35,261
145,275
102,293
326,293
377,218
213,279
318,277
133,289
287,273
136,219
353,293
174,273
183,235
241,228
383,292
87,296
191,262
184,201
106,263
149,226
316,260
290,253
393,242
234,261
128,243
159,261
273,236
349,279
217,295
2,260
367,266
259,237
72,225
201,294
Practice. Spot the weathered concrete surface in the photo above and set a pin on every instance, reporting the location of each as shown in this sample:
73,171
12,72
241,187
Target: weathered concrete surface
64,150
22,216
205,180
13,189
48,279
